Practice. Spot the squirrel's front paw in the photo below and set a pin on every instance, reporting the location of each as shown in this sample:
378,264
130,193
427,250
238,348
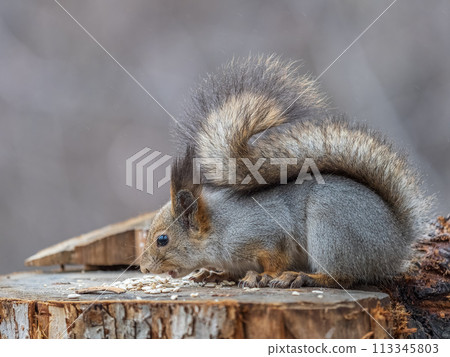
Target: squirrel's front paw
210,276
250,280
292,279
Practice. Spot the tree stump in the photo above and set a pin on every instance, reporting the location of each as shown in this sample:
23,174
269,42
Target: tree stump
36,305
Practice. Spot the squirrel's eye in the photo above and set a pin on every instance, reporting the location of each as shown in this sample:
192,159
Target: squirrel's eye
162,240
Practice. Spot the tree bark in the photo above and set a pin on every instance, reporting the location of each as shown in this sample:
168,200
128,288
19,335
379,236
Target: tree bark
421,297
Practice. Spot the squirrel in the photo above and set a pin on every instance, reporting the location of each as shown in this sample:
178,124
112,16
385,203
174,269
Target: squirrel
254,223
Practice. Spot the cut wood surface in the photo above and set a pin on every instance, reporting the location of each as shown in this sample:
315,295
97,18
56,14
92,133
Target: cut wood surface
37,305
116,244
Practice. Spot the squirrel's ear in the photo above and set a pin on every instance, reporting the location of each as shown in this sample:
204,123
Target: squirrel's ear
191,211
186,208
186,197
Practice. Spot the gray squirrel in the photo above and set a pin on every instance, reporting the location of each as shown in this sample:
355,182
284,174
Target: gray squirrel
254,222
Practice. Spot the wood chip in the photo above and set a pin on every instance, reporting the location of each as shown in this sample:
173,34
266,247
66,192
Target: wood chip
101,289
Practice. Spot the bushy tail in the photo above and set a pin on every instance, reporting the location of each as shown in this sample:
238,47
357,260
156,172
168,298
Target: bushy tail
249,117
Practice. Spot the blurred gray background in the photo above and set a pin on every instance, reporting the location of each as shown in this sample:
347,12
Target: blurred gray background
70,116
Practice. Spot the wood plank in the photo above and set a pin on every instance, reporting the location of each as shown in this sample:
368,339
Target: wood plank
115,244
36,305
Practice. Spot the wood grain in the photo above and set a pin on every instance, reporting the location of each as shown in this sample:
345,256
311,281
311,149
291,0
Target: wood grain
116,244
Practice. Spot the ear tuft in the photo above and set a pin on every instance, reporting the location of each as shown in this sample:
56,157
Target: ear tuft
186,208
182,176
186,197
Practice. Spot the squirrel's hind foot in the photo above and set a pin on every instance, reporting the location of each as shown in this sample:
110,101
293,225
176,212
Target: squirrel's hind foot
294,280
290,279
255,280
287,279
284,280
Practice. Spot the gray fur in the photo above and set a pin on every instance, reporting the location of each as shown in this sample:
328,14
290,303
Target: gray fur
267,76
260,90
357,227
348,231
